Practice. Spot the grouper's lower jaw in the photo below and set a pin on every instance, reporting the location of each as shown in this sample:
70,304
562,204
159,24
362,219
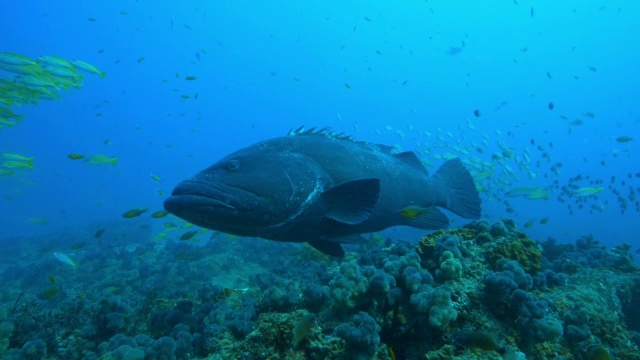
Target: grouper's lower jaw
218,196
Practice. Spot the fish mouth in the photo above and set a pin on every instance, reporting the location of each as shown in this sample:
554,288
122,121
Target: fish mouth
193,197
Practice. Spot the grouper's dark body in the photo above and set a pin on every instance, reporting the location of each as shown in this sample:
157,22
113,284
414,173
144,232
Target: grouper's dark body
321,188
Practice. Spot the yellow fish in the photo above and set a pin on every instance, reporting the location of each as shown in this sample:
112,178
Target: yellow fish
15,164
134,212
49,293
586,191
156,178
86,67
159,214
38,220
536,195
75,156
424,217
411,212
55,61
15,59
529,223
102,160
65,259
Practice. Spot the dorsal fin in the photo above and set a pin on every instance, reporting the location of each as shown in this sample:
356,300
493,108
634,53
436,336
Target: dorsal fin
410,158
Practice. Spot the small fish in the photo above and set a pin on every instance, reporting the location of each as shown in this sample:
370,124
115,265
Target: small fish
411,212
88,68
624,139
16,59
38,220
586,191
528,192
188,235
140,60
102,160
544,220
75,156
99,233
537,195
15,161
65,259
598,352
550,105
159,214
347,85
134,212
190,78
302,329
91,19
476,112
529,223
478,340
593,69
52,281
161,193
78,246
49,293
156,178
454,50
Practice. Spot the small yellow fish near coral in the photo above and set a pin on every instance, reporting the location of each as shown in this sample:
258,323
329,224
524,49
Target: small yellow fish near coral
155,177
411,212
134,212
64,258
102,160
586,191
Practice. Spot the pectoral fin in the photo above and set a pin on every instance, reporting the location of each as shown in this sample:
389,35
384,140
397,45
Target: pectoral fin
352,201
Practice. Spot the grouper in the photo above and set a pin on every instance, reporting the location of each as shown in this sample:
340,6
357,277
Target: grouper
322,188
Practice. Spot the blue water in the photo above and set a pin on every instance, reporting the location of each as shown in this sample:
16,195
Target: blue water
264,68
526,93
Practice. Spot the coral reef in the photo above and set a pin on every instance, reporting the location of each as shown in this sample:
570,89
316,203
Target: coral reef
480,291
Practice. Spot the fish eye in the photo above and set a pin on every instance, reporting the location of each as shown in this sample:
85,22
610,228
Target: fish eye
232,165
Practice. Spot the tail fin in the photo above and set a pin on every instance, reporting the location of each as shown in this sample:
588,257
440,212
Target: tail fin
456,183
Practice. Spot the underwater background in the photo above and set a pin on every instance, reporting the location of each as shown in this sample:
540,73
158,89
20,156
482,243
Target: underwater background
539,100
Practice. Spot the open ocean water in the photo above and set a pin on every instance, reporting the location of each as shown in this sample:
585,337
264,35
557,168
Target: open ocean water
106,106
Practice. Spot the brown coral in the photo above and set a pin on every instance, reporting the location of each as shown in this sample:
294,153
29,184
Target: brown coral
516,246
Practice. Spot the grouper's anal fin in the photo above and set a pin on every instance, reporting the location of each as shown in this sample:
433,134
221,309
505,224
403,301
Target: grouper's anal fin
328,247
352,201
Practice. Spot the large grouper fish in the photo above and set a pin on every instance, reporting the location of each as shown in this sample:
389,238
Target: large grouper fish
322,188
